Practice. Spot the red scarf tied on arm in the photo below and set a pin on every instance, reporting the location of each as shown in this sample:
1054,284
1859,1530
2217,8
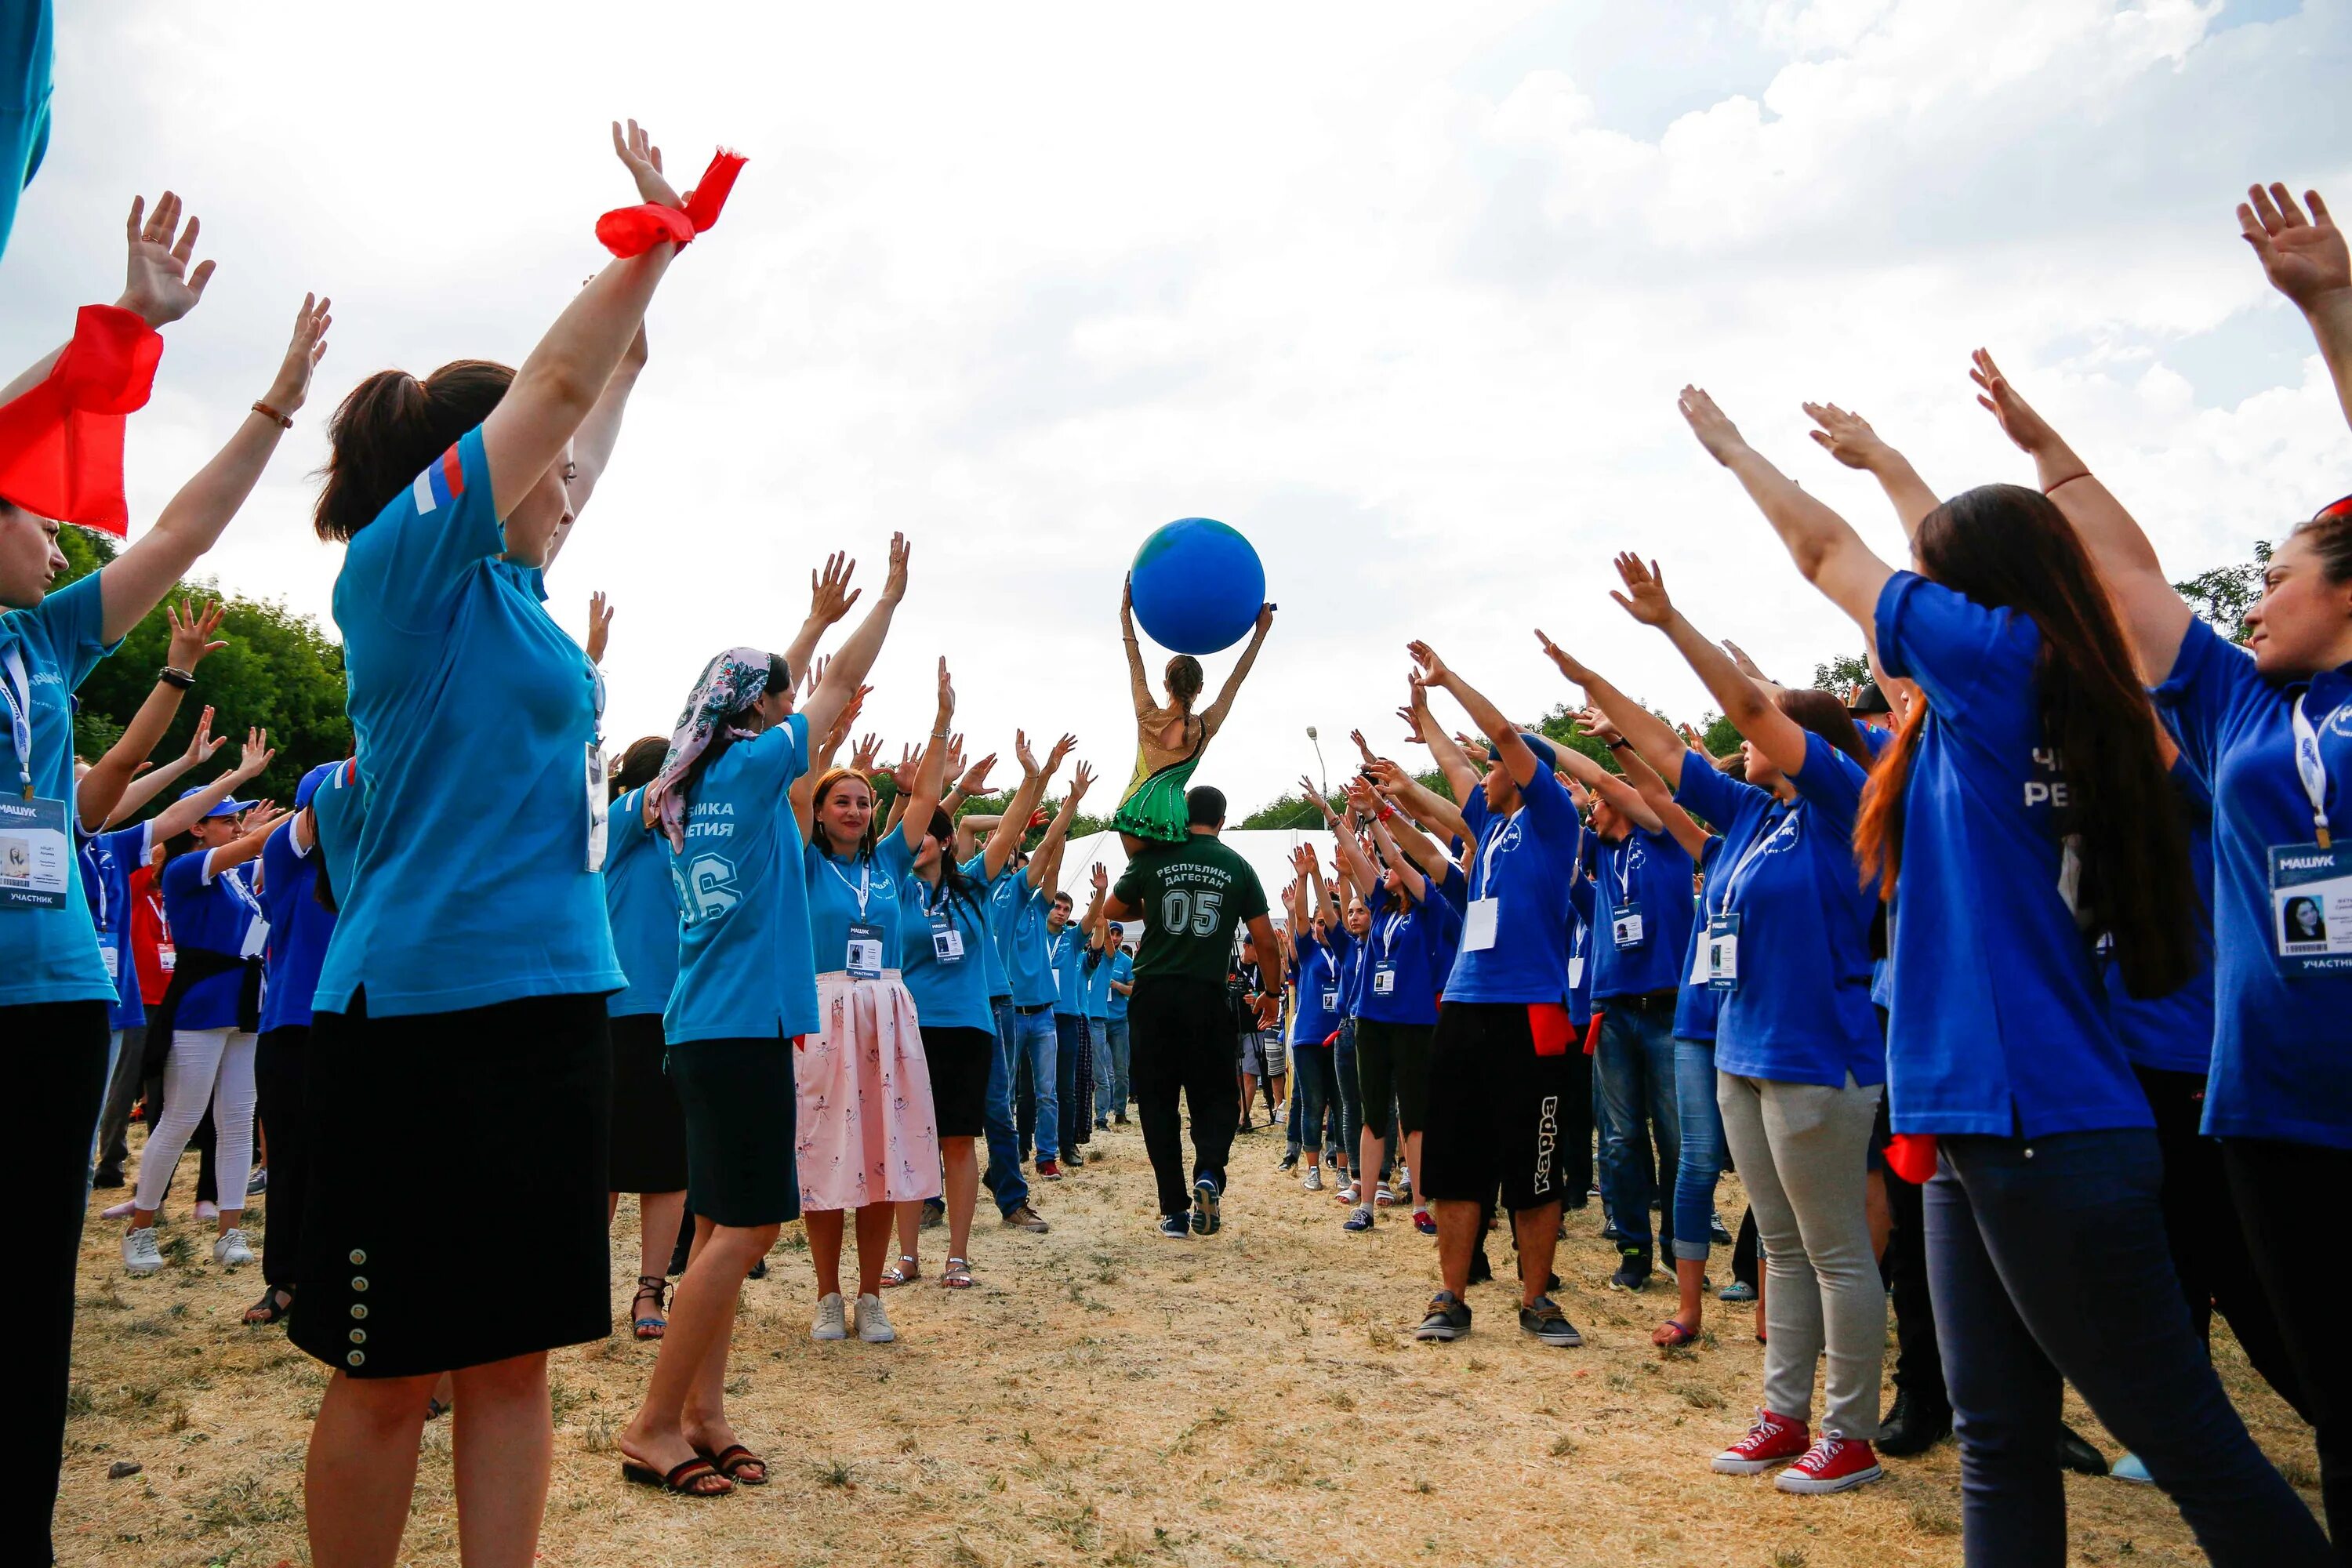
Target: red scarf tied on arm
632,231
61,443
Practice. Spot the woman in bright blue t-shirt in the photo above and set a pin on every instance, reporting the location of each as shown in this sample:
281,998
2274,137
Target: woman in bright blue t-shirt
1999,863
1319,947
944,946
867,1135
2270,736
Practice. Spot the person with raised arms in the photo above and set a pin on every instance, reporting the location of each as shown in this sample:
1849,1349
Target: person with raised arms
1500,1093
2268,732
867,1133
459,1020
2022,809
1032,909
1319,949
1169,738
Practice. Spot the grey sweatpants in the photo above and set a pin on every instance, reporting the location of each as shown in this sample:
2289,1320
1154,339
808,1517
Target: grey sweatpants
1802,1150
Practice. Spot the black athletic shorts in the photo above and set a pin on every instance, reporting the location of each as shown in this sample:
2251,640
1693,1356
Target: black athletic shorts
1499,1113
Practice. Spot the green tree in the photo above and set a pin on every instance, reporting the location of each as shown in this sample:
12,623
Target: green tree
2225,594
1842,674
280,671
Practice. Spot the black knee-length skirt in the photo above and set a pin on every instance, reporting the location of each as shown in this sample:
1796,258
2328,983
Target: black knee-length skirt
648,1127
456,1204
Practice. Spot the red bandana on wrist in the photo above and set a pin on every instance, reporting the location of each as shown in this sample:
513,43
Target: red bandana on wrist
61,443
632,231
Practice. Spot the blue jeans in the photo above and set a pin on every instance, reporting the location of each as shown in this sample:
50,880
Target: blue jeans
1071,1047
1116,1032
1635,1072
1293,1118
1698,1125
1034,1048
1002,1178
1098,1031
2047,1260
1318,1091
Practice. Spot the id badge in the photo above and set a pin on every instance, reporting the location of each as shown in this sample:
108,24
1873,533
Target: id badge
1575,970
1330,998
1722,949
865,957
1479,923
2311,908
1625,927
947,943
111,956
599,805
1384,974
167,957
35,855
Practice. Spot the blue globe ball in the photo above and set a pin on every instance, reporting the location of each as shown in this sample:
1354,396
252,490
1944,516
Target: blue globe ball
1198,585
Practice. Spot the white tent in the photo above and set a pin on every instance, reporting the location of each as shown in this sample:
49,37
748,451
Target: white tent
1267,849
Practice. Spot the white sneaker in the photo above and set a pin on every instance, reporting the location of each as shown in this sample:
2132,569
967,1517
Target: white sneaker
232,1249
208,1214
141,1256
1313,1179
118,1211
872,1322
829,1324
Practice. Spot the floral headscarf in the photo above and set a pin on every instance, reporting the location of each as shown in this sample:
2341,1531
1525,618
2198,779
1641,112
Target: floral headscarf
729,683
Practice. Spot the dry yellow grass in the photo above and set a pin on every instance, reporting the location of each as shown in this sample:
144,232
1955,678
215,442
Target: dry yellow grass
1103,1397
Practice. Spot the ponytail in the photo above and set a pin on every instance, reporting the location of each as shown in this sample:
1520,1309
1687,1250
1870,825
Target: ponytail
390,429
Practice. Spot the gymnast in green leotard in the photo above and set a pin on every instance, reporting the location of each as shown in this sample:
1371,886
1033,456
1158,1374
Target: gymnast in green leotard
1170,737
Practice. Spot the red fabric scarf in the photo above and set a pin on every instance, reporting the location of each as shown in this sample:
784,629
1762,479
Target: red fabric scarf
632,231
61,443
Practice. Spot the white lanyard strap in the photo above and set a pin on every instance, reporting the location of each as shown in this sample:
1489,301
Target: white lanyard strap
1388,933
2313,772
18,692
1774,820
864,877
1625,870
1487,854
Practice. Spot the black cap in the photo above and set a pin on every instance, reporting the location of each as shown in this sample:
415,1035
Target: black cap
1869,698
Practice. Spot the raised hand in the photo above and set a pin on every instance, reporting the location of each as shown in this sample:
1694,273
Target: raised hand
902,775
1060,753
830,594
1691,737
1592,722
2031,433
1388,776
157,283
1646,585
265,816
2305,258
291,389
1081,781
1431,670
815,676
1100,880
256,756
1566,662
1023,755
894,585
1747,665
1846,437
974,781
1307,791
947,695
643,161
868,751
204,743
1362,746
600,626
1265,618
1716,432
191,632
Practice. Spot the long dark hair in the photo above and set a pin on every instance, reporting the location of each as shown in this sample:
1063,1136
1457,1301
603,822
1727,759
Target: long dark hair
1184,680
2007,547
391,428
958,888
640,764
1825,716
723,736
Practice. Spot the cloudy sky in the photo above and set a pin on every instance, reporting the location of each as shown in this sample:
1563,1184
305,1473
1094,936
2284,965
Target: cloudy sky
1403,291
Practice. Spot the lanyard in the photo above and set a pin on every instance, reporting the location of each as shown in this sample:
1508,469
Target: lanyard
864,872
1624,848
18,692
94,880
1775,820
1487,854
234,879
1388,930
2309,767
596,683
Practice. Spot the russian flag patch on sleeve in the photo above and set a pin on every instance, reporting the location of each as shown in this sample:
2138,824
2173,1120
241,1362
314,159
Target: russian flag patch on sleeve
442,483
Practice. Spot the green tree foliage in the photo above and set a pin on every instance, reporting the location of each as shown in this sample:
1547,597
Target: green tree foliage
279,671
2225,594
1842,674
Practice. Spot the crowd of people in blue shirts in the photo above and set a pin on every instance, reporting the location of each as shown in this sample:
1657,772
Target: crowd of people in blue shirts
2027,991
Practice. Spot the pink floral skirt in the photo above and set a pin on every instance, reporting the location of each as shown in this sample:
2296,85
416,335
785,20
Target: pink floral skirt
868,1130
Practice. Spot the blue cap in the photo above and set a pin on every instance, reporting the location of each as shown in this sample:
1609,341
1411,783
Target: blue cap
310,782
225,809
1542,747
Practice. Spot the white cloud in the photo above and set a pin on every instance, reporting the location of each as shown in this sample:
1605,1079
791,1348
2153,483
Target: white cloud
1399,294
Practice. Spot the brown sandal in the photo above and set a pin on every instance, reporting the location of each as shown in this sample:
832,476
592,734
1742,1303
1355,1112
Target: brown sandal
684,1479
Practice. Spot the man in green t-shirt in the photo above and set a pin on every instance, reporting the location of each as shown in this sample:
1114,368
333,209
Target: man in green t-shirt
1189,898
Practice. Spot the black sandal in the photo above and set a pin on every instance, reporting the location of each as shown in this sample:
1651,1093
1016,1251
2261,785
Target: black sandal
731,1461
269,1309
650,1326
683,1480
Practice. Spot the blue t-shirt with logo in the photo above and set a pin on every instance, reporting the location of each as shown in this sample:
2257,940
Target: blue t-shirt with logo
1695,1009
641,900
215,914
992,961
2282,1049
1069,952
834,902
1649,874
1316,972
1416,944
471,884
1523,862
1122,972
50,954
744,969
1017,915
2000,1024
338,808
1097,967
106,861
1582,962
943,953
299,928
1801,1012
2174,1033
